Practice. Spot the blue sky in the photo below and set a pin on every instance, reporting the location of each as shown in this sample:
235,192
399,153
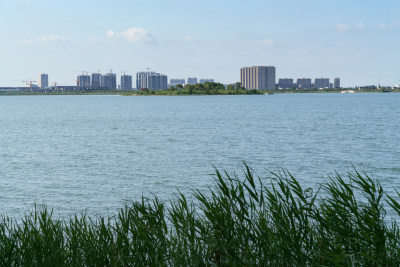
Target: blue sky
356,40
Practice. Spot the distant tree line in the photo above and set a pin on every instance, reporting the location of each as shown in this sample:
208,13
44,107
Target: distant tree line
207,88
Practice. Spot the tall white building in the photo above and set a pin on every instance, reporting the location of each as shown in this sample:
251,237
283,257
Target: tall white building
174,82
109,81
285,83
43,80
336,82
96,81
126,82
321,83
304,83
206,80
83,81
151,80
191,80
258,77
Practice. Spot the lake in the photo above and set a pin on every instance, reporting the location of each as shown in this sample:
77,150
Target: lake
91,153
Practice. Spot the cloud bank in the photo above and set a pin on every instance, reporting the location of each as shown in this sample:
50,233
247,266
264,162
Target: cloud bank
191,39
266,42
133,35
46,39
346,27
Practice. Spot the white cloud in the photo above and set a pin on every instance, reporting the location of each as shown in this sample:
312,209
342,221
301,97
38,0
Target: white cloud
19,2
46,38
388,26
94,40
382,26
266,42
112,34
134,35
346,27
191,39
360,26
342,27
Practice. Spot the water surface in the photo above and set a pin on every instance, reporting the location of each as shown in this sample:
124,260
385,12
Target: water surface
92,152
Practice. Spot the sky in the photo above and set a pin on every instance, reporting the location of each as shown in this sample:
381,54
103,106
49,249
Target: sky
356,40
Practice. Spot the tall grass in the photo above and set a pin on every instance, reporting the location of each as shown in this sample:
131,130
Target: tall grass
241,221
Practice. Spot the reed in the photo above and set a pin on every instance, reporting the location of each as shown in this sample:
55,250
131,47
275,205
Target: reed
246,220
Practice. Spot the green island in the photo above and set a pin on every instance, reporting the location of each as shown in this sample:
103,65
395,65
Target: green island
208,88
243,220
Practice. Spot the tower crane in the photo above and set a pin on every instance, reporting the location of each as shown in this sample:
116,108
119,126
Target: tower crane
29,84
84,73
124,72
148,69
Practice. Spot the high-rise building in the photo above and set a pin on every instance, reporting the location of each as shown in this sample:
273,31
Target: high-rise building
151,80
258,77
336,82
83,81
304,83
157,81
191,80
96,81
126,82
285,83
109,81
43,80
174,82
141,80
206,80
321,83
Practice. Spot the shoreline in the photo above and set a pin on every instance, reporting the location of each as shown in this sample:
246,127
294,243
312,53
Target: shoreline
167,93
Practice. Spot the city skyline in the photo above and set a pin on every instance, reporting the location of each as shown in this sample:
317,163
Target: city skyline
353,40
255,77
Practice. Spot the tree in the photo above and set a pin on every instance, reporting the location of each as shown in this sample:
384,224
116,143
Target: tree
208,86
199,87
230,87
220,86
189,88
179,86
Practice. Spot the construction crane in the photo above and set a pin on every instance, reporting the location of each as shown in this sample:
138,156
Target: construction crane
98,71
148,69
29,84
84,73
124,72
